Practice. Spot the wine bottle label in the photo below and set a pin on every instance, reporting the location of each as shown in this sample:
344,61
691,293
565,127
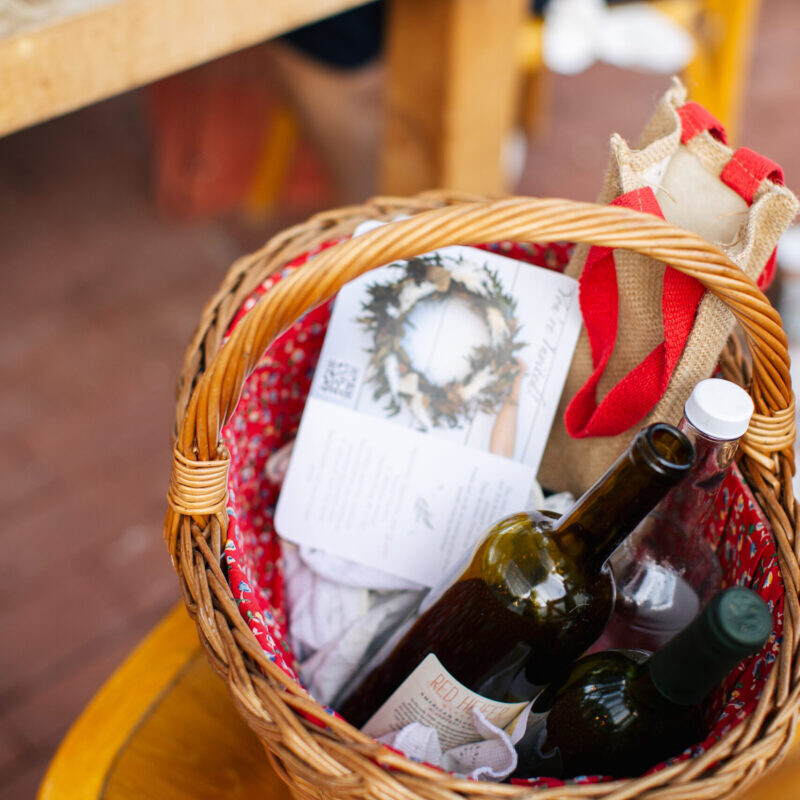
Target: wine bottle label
431,696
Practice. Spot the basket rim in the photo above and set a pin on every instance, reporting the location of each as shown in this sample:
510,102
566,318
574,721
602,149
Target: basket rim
277,708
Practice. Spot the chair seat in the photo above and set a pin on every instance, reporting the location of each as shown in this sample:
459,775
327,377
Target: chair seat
162,727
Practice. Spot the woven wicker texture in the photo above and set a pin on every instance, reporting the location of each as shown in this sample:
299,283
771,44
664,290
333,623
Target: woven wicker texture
337,761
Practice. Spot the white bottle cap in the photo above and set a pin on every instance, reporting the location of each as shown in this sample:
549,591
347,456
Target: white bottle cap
719,409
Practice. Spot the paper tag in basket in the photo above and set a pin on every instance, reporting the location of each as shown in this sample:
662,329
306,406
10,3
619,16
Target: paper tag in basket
431,696
429,410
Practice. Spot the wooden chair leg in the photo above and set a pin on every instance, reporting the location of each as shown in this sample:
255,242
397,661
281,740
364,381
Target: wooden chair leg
451,95
718,74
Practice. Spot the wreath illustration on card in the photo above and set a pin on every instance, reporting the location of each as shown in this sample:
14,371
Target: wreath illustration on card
492,368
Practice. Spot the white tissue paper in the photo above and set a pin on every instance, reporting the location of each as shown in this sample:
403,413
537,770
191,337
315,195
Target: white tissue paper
335,627
330,668
491,759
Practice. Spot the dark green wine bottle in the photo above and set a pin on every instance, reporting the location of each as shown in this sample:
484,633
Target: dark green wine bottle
535,594
619,712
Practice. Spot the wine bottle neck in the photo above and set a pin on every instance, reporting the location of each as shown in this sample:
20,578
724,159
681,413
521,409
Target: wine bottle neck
657,459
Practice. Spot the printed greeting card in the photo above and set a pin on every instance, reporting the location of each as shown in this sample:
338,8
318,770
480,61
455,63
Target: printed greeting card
430,408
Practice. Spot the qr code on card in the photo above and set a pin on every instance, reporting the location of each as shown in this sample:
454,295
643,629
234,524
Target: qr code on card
339,378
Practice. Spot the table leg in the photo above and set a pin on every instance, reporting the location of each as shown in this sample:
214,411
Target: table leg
451,93
717,76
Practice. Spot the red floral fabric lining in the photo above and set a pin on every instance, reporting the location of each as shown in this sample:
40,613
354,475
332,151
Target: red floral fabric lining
267,418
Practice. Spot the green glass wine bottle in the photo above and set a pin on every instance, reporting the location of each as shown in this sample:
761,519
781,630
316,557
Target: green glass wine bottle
535,594
619,712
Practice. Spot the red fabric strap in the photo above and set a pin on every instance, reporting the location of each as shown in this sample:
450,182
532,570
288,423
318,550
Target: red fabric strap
639,391
768,273
747,170
744,173
696,119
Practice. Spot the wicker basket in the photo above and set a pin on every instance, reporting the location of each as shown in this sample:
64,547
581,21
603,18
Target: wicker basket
335,760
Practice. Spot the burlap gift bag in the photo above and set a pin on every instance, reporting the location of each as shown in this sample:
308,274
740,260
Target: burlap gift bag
650,334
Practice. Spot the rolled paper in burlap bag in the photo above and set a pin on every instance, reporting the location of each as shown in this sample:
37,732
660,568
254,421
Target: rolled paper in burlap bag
650,334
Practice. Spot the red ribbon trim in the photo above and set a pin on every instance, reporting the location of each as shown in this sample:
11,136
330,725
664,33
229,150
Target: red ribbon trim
638,392
696,119
747,170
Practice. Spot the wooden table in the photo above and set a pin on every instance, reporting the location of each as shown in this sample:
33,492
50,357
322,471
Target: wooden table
453,68
69,58
164,728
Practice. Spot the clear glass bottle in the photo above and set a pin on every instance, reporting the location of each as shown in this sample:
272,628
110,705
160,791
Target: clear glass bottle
666,571
535,594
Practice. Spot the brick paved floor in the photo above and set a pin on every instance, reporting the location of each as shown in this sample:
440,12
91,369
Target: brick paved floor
99,298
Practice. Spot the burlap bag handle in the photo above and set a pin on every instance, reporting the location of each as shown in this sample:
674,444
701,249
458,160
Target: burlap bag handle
196,524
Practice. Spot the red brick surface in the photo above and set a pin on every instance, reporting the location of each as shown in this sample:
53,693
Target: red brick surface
100,296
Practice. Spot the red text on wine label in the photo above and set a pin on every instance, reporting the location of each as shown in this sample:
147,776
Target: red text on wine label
431,696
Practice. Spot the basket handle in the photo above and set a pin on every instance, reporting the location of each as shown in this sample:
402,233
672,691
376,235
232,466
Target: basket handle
217,393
